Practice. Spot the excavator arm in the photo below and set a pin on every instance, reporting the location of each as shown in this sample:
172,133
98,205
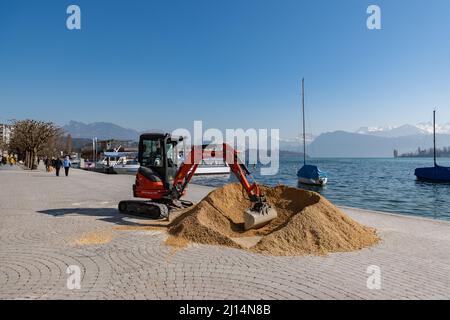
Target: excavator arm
259,214
225,152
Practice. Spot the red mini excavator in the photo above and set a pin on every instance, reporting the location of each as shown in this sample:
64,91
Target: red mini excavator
162,180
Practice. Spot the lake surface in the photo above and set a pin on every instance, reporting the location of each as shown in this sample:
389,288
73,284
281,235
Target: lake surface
375,184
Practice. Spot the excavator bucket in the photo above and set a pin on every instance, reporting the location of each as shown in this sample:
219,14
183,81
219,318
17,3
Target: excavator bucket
259,215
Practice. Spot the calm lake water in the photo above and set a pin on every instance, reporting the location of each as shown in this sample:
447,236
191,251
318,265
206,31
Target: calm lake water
375,184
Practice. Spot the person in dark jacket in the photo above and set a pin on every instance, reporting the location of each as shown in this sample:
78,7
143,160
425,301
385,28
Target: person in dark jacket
47,164
57,164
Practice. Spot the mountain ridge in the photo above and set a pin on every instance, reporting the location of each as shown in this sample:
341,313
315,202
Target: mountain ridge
102,131
405,130
357,145
365,142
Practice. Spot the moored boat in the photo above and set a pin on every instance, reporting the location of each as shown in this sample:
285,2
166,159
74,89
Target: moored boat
312,175
309,174
437,174
212,166
126,166
433,174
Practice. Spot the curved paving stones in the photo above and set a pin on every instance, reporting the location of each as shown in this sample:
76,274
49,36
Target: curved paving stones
41,215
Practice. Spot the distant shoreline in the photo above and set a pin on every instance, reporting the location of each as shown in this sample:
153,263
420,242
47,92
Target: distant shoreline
422,157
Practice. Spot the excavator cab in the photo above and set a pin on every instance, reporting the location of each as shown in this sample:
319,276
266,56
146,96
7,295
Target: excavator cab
154,179
157,157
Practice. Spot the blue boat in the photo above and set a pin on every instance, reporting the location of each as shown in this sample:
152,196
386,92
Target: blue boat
309,174
437,174
433,174
312,175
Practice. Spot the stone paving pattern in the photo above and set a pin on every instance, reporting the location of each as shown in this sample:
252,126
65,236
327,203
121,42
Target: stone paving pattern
41,215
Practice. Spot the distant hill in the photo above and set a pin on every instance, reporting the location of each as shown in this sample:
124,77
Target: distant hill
102,130
281,153
107,130
295,145
348,144
405,130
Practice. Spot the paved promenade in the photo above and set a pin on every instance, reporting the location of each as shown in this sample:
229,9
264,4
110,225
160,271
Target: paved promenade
47,223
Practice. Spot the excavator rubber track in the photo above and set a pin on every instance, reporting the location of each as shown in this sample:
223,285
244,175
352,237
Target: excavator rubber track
147,209
152,209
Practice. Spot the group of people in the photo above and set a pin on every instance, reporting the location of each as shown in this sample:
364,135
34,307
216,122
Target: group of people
57,164
8,160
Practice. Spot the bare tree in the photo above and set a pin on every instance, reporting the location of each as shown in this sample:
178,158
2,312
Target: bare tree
3,146
69,144
30,137
53,148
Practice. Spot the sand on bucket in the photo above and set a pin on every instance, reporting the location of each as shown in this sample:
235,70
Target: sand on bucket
307,223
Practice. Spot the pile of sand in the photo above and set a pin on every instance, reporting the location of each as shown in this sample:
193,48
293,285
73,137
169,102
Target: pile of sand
307,223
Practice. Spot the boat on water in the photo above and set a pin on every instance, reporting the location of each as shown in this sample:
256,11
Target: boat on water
212,167
130,165
126,166
209,165
437,174
309,174
312,175
111,159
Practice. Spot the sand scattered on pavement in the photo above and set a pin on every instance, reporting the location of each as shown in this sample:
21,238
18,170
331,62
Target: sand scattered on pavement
94,238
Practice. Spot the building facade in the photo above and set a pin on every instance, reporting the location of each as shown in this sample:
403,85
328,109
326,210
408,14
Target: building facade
5,132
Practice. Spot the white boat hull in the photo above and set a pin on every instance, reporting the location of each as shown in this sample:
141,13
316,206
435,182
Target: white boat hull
124,169
313,182
204,170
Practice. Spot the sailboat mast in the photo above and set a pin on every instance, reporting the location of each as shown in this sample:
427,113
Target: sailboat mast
303,111
434,137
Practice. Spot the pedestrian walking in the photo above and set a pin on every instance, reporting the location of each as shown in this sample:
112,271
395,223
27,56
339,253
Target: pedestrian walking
47,164
67,165
57,164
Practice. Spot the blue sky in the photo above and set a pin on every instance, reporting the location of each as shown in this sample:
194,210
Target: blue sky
163,64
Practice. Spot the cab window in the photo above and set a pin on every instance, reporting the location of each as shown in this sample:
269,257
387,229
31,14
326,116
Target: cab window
152,153
170,154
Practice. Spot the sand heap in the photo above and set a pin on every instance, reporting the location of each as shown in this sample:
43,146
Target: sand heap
307,223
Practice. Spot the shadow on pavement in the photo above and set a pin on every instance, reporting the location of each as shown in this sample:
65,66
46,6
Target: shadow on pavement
111,215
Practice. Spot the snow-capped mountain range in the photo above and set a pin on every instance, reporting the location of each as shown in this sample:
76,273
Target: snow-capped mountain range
440,128
379,141
405,130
